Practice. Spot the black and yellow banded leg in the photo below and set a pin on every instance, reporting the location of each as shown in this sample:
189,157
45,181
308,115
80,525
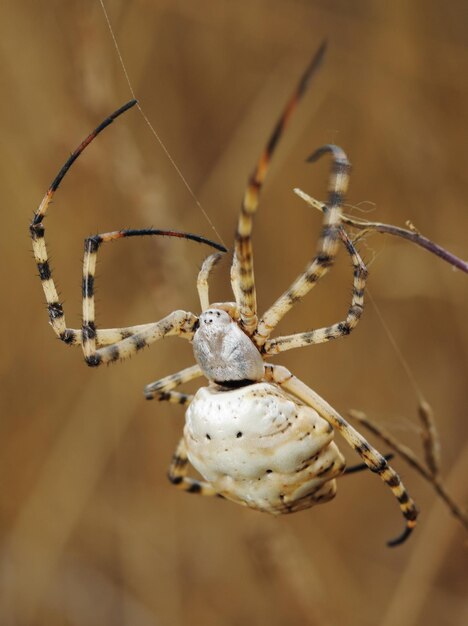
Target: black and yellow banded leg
37,231
177,474
242,274
71,336
109,336
177,323
371,457
163,389
326,250
175,397
355,469
340,329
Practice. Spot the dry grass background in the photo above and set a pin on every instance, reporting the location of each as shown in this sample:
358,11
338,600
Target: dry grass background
92,533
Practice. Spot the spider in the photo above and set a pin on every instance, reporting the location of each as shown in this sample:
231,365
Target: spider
258,435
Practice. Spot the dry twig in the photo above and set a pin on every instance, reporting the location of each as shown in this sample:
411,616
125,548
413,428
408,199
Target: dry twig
412,234
430,470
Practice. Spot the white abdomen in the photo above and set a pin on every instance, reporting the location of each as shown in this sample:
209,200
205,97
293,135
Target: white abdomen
258,447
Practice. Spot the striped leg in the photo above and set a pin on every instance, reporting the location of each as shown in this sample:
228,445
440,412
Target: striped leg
371,457
105,336
177,323
70,336
175,397
340,329
54,306
202,280
163,389
327,247
73,336
354,469
178,474
242,273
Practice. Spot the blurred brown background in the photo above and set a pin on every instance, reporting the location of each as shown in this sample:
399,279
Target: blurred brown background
92,532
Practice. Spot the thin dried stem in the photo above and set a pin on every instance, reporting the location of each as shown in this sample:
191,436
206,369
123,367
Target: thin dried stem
410,457
412,234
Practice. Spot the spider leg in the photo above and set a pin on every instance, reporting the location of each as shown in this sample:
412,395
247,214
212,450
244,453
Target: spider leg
104,336
354,469
179,323
175,397
327,246
73,336
242,272
340,329
163,389
177,474
371,457
107,336
37,231
202,280
70,336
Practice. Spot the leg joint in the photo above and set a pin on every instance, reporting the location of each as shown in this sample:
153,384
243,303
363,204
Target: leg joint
93,360
92,244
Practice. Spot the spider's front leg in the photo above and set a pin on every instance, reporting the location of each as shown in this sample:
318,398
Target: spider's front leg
326,250
181,323
242,270
371,457
89,335
117,340
339,329
70,336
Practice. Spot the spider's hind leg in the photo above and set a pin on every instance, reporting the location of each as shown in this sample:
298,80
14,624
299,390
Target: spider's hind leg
177,474
354,469
163,389
371,457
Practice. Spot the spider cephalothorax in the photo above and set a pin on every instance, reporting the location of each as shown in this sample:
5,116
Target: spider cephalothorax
257,434
223,351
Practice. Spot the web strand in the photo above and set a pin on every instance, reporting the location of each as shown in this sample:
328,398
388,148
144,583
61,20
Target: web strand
385,326
153,130
397,349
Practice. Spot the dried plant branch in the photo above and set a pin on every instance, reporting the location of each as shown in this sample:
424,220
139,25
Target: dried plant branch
412,234
410,457
430,437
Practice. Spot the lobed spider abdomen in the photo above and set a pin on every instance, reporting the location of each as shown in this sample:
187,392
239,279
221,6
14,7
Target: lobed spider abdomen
258,447
257,434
